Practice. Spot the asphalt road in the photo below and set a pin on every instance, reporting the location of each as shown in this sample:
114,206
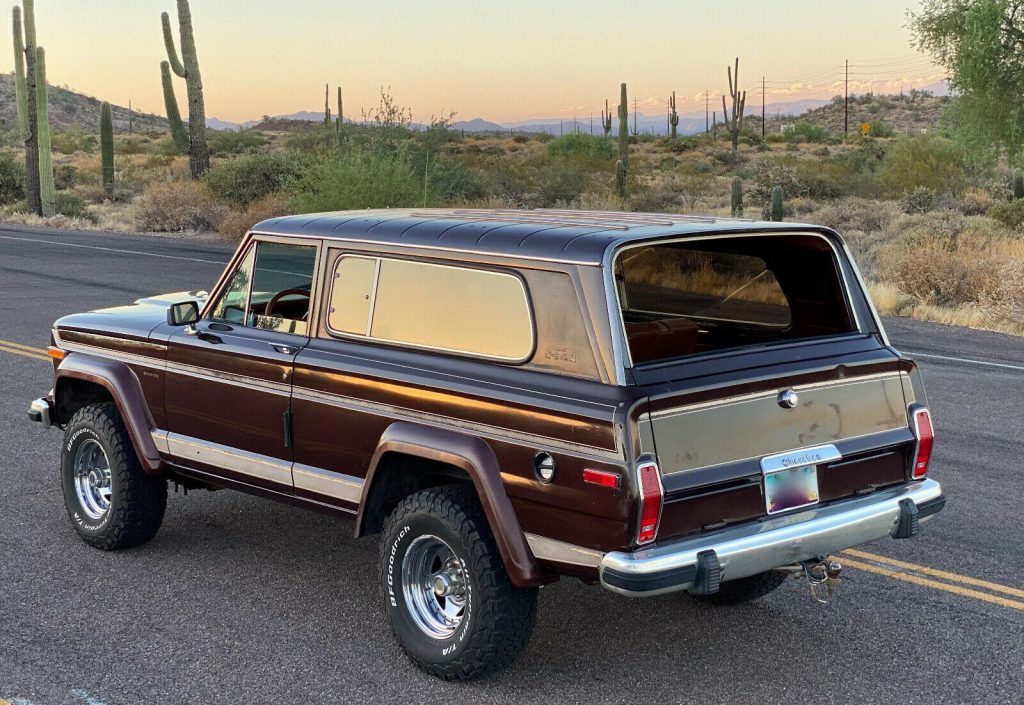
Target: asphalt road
240,600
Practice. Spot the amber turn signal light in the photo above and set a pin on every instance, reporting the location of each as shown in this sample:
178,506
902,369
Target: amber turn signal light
55,352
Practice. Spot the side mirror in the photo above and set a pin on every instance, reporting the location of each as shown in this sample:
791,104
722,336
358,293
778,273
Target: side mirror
182,314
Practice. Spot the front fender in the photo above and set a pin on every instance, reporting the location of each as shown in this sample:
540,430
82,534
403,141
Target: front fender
122,384
476,458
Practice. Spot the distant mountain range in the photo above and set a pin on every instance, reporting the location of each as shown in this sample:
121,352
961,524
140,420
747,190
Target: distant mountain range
689,123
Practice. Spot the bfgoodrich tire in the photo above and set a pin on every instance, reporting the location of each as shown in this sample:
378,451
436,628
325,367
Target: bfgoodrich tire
111,501
452,606
736,592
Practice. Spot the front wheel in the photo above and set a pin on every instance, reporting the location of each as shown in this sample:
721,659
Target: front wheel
453,608
111,501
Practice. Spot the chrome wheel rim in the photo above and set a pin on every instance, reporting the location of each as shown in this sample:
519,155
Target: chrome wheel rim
92,479
435,587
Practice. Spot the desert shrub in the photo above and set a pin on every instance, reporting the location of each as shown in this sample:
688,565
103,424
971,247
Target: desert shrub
223,142
130,145
583,146
451,180
238,222
976,202
73,206
358,179
177,206
65,176
74,140
12,179
1006,301
877,128
561,182
242,180
921,200
854,214
1009,213
520,139
804,131
924,161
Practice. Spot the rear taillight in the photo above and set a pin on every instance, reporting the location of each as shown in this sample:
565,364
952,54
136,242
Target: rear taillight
651,495
925,437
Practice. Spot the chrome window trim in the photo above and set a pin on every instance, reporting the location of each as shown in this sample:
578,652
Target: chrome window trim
619,343
527,301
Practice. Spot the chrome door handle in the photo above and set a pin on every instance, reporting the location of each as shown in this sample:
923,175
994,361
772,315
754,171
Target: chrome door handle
286,349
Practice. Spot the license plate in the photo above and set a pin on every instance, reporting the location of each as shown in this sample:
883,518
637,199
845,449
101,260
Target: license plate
791,488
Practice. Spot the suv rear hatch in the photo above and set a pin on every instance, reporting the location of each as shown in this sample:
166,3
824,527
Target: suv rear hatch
757,345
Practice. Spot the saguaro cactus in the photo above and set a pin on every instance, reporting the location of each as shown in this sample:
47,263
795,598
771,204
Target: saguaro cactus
31,135
673,118
734,118
327,105
622,165
606,119
107,147
1018,185
47,191
188,68
339,122
737,197
19,74
178,132
778,203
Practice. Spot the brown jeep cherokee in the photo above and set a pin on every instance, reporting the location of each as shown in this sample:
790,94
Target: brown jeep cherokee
654,403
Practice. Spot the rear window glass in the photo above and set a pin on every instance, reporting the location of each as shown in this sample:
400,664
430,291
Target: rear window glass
681,299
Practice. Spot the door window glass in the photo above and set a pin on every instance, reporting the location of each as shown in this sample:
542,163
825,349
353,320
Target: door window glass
234,302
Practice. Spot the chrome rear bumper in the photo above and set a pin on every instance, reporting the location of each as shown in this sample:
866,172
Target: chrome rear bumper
701,564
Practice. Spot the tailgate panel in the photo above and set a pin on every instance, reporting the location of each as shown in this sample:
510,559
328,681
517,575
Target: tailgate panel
749,427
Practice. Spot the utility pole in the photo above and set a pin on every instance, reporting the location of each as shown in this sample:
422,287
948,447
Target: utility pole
763,107
846,101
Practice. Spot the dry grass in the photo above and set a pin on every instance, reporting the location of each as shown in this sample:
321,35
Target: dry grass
178,206
238,222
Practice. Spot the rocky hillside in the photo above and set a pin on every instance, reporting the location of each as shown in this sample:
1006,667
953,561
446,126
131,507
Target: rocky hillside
913,112
71,110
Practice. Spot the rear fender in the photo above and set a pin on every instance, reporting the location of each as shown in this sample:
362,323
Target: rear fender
477,460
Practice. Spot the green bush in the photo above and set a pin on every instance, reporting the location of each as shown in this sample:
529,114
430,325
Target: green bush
581,145
358,179
242,180
920,200
561,182
804,131
924,161
65,176
224,142
452,180
1009,213
72,206
12,179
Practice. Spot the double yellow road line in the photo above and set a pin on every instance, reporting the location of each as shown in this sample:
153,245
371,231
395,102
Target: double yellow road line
923,576
23,350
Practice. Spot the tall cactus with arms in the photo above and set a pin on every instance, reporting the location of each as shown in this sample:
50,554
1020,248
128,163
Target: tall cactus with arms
734,118
188,68
606,119
20,90
673,118
25,37
47,190
622,166
107,147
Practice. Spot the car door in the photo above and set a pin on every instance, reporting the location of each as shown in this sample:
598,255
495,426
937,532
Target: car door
229,377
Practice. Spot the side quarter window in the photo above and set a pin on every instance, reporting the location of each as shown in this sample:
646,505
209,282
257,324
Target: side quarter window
234,301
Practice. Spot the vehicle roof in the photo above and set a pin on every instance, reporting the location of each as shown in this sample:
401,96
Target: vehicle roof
578,237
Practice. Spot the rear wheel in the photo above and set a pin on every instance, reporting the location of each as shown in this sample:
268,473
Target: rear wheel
453,608
735,592
111,501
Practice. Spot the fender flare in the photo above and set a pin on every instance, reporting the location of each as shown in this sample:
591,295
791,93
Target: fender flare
477,459
122,384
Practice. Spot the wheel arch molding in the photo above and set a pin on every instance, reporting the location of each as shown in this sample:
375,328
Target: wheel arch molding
470,455
124,390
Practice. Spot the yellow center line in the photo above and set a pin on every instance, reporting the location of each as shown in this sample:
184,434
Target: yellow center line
934,572
925,582
23,350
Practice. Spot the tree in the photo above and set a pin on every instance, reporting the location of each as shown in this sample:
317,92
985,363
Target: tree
981,43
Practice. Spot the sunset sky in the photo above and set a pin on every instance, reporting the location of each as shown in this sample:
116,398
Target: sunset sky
502,61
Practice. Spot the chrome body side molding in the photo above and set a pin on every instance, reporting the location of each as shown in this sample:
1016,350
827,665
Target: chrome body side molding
545,549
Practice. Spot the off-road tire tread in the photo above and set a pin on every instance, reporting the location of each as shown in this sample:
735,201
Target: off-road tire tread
138,514
506,614
736,592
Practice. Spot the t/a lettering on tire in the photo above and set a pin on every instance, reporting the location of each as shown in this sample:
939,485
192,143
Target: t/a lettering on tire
452,606
111,501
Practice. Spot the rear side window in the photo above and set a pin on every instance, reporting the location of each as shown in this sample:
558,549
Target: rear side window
685,298
463,310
